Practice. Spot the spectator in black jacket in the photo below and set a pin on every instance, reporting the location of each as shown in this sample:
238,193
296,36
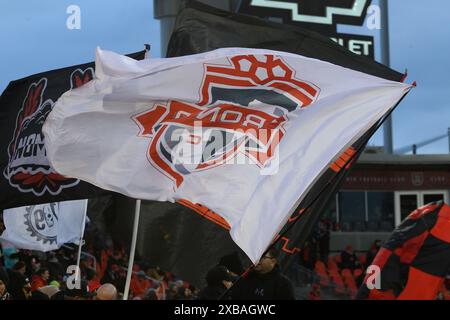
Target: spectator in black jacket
349,259
264,282
376,245
20,287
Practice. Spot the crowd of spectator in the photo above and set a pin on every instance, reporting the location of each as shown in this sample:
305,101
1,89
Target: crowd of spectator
34,275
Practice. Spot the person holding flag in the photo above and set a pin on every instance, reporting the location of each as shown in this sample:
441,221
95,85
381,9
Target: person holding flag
264,282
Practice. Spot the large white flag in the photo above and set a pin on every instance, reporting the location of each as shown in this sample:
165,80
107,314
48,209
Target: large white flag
244,132
44,227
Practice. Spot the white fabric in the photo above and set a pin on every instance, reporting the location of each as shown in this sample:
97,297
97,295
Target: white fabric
92,134
44,227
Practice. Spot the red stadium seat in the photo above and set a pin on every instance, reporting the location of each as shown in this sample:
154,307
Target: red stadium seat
321,271
351,285
346,273
334,272
357,273
332,265
349,282
339,284
362,258
320,266
324,280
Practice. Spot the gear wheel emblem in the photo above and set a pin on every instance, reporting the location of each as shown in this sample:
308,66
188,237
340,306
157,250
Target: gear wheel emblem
41,222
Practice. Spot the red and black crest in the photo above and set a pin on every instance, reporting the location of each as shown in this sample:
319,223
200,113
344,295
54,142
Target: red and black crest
242,109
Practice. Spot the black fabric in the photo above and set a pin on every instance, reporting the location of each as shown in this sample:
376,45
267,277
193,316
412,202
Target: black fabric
410,229
201,28
433,257
394,275
270,286
25,175
211,293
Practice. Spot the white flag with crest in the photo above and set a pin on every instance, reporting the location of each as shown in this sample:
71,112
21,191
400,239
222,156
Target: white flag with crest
44,227
243,132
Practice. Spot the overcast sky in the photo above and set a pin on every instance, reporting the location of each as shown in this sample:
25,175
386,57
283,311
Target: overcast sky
34,38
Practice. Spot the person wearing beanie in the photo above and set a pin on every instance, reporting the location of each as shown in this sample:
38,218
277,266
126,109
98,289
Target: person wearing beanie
218,280
20,287
233,264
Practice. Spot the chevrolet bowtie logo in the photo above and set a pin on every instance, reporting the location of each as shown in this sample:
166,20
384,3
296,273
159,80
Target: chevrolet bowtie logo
324,12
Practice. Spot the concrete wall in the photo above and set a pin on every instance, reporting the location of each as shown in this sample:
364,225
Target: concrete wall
360,241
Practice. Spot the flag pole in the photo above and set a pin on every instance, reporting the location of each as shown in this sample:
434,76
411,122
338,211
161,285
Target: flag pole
80,245
137,210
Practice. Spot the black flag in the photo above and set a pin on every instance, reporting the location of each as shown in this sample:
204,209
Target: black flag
25,175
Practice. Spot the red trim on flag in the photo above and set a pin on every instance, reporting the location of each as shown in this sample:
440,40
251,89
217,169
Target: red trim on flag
206,213
297,215
343,159
286,249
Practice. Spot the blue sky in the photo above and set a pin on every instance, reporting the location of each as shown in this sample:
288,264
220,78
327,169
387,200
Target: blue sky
35,38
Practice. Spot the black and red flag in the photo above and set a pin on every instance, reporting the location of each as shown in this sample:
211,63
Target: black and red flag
415,260
25,175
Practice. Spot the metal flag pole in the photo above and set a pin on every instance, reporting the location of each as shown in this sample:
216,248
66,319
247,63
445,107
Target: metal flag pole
448,140
80,244
385,59
133,249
